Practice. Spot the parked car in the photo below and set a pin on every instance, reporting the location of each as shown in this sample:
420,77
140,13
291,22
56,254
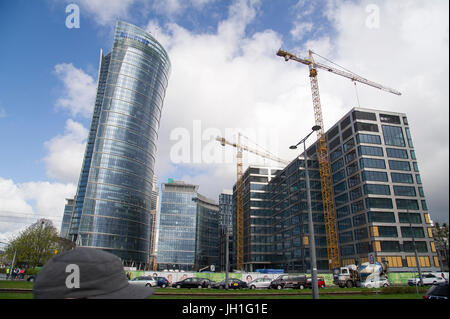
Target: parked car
289,281
233,283
438,291
428,279
147,281
31,278
206,283
376,283
260,283
191,283
320,282
162,282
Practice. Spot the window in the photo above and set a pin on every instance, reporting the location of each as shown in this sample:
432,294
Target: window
342,199
418,179
352,168
402,178
349,144
361,233
345,122
421,246
368,138
390,246
353,181
365,127
338,176
377,189
339,188
396,153
347,250
355,193
345,237
333,133
337,165
372,163
350,157
359,115
393,135
347,133
399,165
416,167
411,204
374,176
412,218
345,224
424,205
378,203
370,150
381,217
405,191
342,212
421,194
389,119
413,155
357,206
335,142
335,155
408,135
387,231
409,232
359,220
405,120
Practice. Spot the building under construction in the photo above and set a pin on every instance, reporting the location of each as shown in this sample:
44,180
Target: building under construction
377,192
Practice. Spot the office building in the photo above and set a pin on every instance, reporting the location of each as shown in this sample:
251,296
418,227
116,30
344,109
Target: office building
225,228
68,209
113,202
188,228
378,194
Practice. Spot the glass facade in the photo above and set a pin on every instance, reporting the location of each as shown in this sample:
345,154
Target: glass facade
68,210
114,197
374,193
188,228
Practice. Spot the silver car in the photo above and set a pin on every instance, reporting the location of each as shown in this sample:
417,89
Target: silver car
376,283
427,279
147,281
263,283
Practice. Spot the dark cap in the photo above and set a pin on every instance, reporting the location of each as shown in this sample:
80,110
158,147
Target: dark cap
86,273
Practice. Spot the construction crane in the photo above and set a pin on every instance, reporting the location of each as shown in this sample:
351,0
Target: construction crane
239,198
322,149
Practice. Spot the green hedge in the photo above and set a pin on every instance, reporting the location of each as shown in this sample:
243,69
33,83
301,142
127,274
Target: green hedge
404,290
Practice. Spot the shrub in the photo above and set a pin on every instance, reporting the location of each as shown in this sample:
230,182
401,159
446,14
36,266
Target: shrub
403,290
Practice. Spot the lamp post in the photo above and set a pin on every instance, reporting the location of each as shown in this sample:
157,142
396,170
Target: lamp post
312,243
13,261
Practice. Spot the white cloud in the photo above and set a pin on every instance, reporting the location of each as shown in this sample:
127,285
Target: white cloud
79,90
2,112
65,153
301,30
106,12
228,79
23,204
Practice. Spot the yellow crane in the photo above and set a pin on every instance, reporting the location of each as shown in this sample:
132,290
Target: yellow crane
322,149
239,198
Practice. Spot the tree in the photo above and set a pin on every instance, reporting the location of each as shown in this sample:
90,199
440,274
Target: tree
35,245
441,239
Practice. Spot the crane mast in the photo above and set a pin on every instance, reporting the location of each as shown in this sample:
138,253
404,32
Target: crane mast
239,196
322,148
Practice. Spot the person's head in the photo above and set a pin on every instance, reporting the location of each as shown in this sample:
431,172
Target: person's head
86,273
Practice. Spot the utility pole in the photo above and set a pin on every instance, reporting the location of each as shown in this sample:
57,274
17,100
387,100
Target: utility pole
227,257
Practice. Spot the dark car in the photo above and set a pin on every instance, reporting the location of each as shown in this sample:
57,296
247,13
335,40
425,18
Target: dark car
189,283
206,283
162,282
438,291
289,281
233,283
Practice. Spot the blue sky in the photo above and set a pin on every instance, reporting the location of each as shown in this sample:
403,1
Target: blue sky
224,74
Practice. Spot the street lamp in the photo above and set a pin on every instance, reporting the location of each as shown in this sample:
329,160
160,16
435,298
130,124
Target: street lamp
312,244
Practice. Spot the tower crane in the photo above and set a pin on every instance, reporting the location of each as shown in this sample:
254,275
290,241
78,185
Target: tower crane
239,200
322,149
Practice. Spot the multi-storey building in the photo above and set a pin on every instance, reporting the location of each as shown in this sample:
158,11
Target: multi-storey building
225,228
378,194
113,202
258,225
188,228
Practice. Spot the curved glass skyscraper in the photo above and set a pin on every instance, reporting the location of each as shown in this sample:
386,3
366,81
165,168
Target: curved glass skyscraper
113,201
